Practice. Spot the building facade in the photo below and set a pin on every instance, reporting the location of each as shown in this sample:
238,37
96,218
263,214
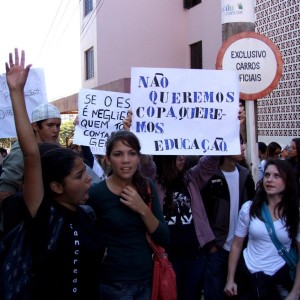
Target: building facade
278,114
117,35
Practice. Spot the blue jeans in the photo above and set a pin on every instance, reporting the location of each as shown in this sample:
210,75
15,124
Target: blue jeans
215,275
124,290
189,276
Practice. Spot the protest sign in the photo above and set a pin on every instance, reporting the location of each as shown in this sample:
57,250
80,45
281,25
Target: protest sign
35,94
99,114
185,111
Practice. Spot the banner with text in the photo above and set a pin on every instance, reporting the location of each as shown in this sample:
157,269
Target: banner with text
99,114
35,94
185,111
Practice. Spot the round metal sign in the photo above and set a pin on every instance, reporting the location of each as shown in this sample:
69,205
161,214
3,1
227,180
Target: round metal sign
257,61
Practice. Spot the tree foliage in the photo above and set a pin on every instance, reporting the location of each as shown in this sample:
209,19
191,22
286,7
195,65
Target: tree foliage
6,142
66,133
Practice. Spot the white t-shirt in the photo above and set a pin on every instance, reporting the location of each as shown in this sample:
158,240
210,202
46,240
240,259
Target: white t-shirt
232,179
98,169
261,169
260,253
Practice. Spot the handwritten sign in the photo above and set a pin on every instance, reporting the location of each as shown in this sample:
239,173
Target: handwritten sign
99,114
35,94
185,111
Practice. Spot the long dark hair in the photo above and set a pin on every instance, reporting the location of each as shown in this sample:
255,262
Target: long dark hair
168,175
271,149
129,139
297,142
56,165
289,206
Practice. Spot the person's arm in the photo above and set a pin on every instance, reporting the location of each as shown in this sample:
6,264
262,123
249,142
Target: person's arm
234,255
87,155
147,166
16,75
204,170
295,292
242,118
11,179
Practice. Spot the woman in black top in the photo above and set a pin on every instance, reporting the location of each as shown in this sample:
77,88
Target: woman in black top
67,249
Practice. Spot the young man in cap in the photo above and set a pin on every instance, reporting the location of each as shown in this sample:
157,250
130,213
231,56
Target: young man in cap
46,121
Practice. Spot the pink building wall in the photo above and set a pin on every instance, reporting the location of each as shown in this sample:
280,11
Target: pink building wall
144,33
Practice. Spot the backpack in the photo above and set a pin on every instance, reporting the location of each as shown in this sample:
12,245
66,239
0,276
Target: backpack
15,265
13,211
16,260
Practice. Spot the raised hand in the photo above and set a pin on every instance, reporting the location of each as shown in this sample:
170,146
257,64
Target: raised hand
16,72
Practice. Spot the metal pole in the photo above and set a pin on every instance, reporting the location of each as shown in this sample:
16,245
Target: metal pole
229,29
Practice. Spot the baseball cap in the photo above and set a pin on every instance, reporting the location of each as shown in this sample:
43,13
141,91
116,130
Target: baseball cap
45,111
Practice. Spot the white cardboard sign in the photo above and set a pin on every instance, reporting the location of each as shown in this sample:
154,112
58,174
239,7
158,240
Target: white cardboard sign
185,111
35,94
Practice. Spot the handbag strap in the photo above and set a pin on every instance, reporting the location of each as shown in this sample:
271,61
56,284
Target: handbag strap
272,233
158,250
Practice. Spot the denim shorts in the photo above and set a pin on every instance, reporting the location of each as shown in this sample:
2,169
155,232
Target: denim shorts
126,290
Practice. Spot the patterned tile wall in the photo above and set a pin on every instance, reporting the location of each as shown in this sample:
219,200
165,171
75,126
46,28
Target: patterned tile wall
278,114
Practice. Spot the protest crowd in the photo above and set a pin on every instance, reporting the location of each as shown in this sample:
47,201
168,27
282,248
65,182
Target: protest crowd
79,225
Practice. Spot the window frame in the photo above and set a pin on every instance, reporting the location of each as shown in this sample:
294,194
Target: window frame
89,64
88,7
196,55
187,4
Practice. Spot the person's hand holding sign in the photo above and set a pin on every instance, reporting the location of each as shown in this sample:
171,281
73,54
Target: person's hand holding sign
127,121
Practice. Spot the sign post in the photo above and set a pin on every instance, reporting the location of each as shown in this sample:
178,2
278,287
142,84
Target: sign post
258,62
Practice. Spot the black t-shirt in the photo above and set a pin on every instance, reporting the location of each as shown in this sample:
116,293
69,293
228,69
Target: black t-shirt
71,269
178,215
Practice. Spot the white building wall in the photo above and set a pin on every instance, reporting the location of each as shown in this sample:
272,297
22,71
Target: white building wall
143,33
204,24
157,33
88,38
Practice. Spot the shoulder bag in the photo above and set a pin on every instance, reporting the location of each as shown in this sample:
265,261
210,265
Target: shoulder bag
164,277
290,256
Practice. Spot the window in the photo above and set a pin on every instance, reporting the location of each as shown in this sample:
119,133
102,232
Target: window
196,55
88,6
190,3
89,63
